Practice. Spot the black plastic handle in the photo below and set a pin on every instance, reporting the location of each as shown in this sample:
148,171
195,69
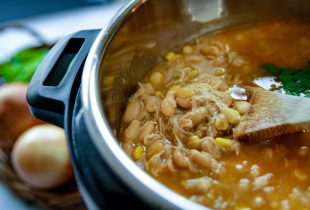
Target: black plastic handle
57,78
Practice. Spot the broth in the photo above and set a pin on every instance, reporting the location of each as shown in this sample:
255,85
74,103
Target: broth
179,124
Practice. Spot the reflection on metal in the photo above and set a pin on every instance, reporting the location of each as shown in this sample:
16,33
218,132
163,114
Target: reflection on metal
138,5
202,12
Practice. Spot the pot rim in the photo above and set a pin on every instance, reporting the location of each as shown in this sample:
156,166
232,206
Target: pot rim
103,137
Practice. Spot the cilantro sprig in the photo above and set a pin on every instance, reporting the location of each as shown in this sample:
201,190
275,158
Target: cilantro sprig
294,81
21,67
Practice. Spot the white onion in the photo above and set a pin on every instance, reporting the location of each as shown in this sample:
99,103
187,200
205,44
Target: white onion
40,157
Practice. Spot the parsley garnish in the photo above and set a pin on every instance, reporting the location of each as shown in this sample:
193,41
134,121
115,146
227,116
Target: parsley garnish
294,81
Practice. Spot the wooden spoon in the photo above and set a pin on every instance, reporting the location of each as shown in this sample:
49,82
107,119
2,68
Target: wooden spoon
273,114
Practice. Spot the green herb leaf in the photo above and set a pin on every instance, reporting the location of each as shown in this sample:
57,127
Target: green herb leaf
22,66
295,81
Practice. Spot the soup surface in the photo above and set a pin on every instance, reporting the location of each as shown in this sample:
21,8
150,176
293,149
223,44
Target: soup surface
179,124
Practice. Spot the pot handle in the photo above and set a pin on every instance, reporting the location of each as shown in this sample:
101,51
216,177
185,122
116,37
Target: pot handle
56,81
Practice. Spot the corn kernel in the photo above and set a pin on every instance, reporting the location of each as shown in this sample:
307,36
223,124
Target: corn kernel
137,152
170,56
158,93
184,92
193,138
233,116
221,123
193,142
223,142
175,87
156,78
243,208
242,106
300,174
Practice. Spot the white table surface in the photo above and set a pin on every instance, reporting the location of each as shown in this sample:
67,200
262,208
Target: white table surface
52,27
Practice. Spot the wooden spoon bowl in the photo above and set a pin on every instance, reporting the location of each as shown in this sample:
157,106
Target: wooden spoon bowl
273,114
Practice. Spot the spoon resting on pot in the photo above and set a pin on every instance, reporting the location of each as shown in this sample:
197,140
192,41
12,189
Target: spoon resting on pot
273,114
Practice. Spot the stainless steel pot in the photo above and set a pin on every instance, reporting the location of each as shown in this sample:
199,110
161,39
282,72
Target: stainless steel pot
90,107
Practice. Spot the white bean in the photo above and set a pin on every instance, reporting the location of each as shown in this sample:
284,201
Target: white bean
201,159
155,148
133,130
166,108
168,105
132,111
196,116
205,160
152,103
147,128
187,50
210,51
242,106
179,159
194,59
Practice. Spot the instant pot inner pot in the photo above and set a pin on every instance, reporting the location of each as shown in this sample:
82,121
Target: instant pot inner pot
155,27
134,43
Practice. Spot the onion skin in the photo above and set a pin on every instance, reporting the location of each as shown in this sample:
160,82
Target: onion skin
15,116
40,157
